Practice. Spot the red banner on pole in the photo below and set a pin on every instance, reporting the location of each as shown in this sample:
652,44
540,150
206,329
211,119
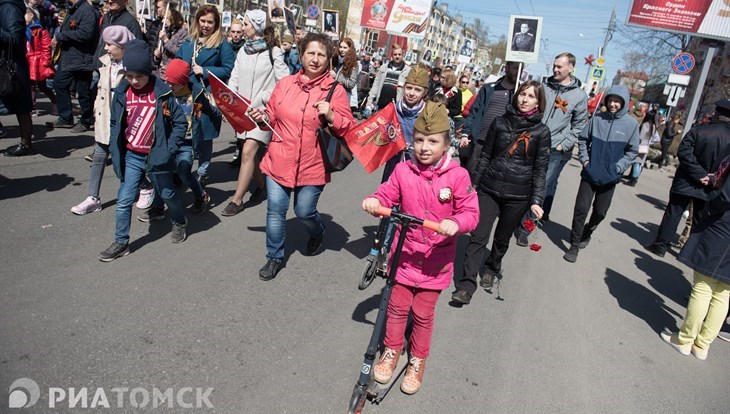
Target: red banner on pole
232,105
377,139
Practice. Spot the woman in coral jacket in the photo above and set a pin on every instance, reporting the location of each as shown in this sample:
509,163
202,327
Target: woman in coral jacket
293,162
38,53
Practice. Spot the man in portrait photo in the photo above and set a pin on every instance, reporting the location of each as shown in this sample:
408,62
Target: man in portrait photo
330,22
524,41
466,50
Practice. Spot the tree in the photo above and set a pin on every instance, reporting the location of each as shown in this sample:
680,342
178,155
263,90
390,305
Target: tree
656,47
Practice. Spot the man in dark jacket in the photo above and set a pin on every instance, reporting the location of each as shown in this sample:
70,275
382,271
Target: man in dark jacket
491,103
608,145
700,153
78,36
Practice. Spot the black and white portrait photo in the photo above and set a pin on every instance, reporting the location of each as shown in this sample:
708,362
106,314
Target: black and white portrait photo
467,49
276,11
524,38
523,42
330,21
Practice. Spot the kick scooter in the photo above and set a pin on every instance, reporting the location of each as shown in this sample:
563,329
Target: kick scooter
366,387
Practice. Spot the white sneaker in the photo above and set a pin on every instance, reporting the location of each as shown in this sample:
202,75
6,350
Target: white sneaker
87,206
146,196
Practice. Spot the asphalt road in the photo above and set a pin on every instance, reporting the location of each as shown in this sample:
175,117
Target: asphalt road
568,338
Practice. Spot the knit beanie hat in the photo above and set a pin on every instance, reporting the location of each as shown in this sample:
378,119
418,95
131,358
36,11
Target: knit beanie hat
137,57
177,72
258,20
117,35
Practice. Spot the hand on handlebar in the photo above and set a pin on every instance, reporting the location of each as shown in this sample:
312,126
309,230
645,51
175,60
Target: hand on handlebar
448,227
371,205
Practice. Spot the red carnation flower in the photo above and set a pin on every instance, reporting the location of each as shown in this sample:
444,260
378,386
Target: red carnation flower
536,247
529,225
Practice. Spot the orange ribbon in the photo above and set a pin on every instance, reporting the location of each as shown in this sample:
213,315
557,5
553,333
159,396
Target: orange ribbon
523,137
560,103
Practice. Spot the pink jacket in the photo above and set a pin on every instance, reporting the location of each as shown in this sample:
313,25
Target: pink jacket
433,193
295,159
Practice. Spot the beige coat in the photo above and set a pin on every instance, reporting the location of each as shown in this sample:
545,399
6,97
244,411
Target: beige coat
103,103
254,78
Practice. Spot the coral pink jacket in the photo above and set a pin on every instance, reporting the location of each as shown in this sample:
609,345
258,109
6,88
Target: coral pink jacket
433,193
295,159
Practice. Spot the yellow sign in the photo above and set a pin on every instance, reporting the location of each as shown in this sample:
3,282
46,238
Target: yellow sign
600,61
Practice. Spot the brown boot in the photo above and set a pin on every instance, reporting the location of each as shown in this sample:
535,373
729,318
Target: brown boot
414,376
383,370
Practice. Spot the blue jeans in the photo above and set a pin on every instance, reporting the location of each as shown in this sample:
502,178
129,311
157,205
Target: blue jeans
204,155
184,165
305,207
134,172
556,162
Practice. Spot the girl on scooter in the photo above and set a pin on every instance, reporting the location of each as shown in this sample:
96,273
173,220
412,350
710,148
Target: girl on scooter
432,186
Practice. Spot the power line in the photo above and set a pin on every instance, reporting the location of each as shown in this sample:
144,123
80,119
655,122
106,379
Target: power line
533,9
518,7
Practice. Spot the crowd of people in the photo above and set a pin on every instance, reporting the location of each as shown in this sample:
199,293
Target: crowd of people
476,155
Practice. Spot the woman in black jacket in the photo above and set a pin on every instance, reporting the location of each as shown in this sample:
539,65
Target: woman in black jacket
509,178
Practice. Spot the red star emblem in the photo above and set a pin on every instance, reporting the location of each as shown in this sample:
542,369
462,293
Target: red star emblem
590,59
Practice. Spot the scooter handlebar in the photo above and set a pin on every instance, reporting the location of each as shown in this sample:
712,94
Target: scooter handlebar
431,225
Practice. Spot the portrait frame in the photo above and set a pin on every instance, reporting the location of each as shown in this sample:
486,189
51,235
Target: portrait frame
332,26
516,51
276,11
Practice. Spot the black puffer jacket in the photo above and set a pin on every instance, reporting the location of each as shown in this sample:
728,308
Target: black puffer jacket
521,174
79,37
700,153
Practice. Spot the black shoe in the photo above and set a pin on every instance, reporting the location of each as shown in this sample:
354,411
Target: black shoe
656,250
461,296
270,269
314,245
153,214
572,254
487,280
232,209
584,243
201,204
114,251
521,238
258,196
18,151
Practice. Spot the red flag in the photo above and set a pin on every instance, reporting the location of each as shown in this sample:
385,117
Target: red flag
377,139
232,105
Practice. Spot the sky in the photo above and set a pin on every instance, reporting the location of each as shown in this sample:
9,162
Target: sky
575,26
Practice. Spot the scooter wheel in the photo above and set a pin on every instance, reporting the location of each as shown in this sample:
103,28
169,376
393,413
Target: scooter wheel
357,401
368,274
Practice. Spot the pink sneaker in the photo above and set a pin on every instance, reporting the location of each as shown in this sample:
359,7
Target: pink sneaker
146,196
87,206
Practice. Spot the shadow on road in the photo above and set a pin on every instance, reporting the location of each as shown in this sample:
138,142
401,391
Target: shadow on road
641,302
360,248
21,187
663,277
359,314
557,233
643,233
659,204
61,147
335,237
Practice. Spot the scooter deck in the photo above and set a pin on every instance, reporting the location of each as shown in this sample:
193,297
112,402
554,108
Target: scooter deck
378,391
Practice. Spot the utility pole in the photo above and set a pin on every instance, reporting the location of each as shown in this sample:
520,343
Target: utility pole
609,35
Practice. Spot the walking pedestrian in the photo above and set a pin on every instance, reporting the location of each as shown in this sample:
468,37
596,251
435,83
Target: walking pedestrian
608,145
510,180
